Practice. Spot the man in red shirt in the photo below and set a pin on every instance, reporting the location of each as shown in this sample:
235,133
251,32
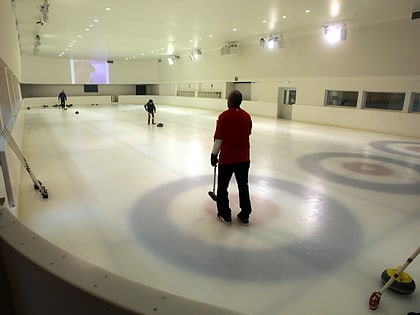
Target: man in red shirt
231,140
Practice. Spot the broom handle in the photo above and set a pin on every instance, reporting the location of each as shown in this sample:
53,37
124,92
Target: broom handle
214,178
400,270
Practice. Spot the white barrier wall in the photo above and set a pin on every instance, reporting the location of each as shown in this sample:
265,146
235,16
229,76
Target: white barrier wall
46,280
399,123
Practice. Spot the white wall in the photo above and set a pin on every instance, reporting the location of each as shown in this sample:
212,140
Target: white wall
9,45
378,58
381,50
48,70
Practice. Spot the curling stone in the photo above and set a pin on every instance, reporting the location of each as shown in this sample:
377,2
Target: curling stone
404,284
28,108
159,125
76,112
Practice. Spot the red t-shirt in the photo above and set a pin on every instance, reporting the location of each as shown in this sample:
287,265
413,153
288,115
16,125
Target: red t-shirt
233,127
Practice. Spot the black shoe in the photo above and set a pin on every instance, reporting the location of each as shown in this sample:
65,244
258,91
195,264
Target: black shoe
243,221
227,220
153,123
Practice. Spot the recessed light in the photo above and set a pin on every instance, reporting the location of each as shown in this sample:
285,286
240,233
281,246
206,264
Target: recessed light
108,9
86,29
284,17
211,35
95,20
264,21
80,36
307,11
235,29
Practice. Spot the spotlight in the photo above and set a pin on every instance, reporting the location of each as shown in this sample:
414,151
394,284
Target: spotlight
195,55
229,48
37,40
335,32
172,59
44,8
272,42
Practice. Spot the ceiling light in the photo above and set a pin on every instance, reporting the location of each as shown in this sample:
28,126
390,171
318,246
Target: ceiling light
172,59
37,40
335,32
229,48
307,11
335,8
44,8
195,55
272,42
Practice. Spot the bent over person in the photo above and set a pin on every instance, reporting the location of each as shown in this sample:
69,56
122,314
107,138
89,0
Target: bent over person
151,110
231,150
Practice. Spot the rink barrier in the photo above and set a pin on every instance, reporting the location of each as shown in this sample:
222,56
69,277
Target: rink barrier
37,277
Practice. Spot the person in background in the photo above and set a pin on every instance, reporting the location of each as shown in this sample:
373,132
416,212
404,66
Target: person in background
62,97
231,150
151,110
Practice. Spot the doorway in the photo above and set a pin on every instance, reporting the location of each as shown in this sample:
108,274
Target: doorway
286,98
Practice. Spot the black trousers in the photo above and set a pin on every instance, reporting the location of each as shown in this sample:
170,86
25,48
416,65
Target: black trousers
150,114
241,171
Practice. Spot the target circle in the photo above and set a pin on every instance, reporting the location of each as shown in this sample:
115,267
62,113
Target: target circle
317,164
337,234
403,148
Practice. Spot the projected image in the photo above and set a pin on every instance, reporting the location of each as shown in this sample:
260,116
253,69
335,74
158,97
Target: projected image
89,71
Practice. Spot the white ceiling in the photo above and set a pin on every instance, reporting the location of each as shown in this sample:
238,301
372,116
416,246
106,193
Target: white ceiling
146,29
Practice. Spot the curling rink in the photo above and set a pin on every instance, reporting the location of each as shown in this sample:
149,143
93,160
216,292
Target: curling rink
332,207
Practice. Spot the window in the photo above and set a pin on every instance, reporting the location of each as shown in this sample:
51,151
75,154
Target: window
90,88
382,100
289,96
341,98
415,102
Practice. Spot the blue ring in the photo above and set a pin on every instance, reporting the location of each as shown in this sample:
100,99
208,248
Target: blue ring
337,236
383,146
311,164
